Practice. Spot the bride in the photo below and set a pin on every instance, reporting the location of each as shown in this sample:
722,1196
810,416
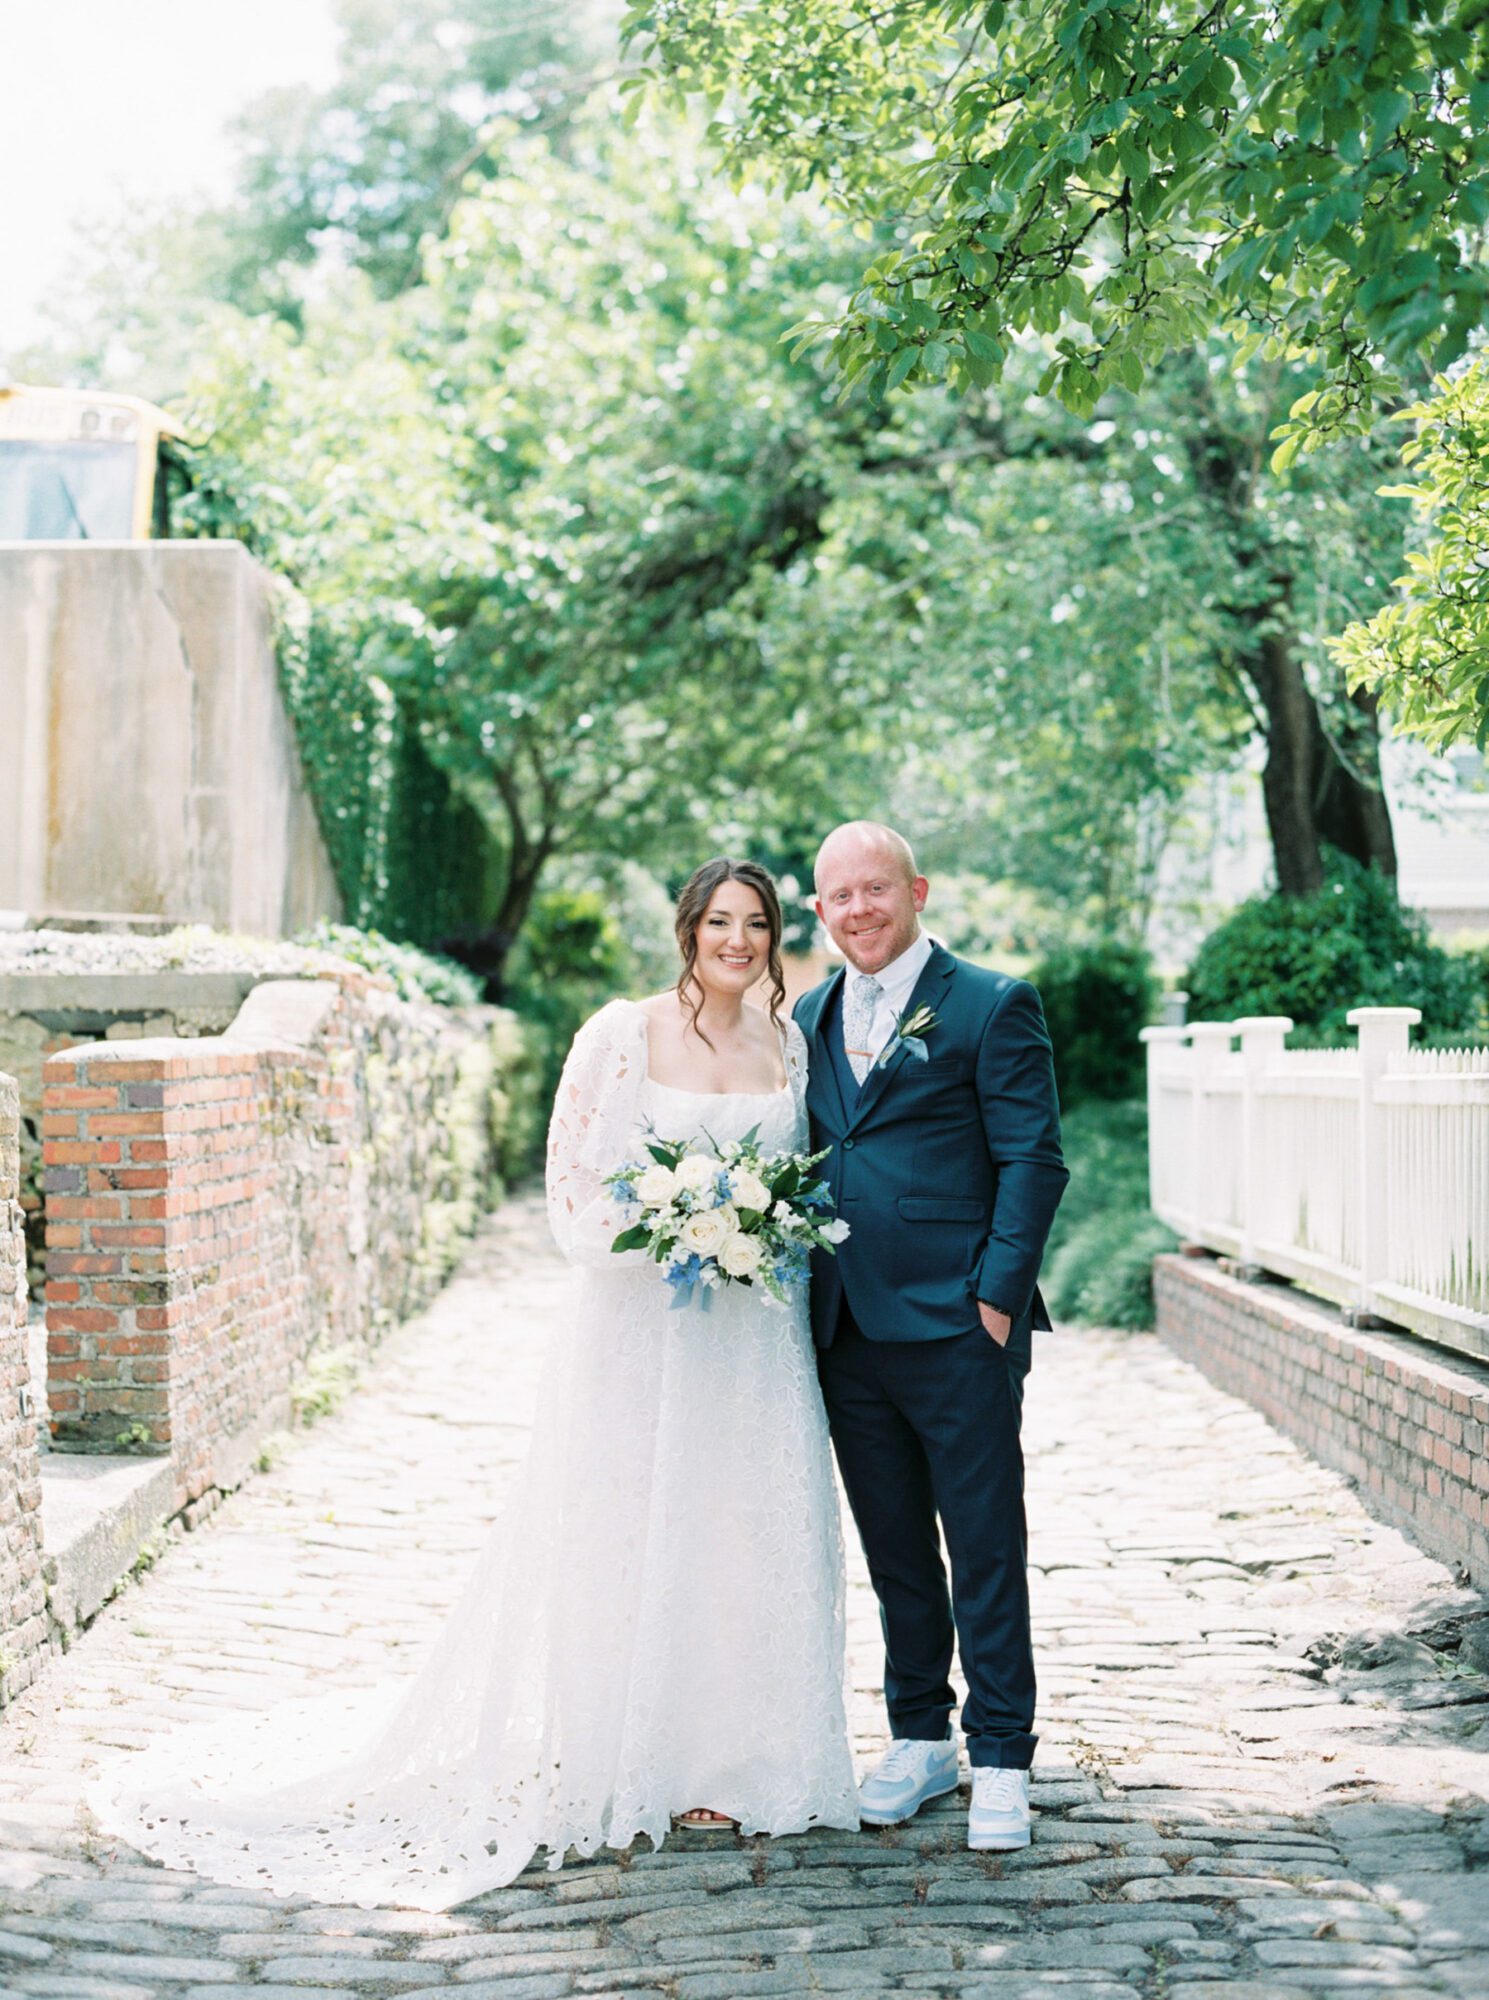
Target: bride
654,1631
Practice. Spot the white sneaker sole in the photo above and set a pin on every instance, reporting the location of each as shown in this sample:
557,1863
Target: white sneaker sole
869,1818
999,1843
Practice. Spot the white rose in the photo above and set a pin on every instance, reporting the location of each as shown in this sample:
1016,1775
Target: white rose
707,1232
835,1231
656,1186
696,1172
740,1256
749,1190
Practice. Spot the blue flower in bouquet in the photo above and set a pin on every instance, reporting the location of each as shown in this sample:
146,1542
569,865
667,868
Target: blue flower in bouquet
690,1276
684,1272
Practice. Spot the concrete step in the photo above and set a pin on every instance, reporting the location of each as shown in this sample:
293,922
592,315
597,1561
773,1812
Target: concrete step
98,1511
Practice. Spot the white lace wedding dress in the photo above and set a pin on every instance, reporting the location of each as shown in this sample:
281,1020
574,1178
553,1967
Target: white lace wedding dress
656,1622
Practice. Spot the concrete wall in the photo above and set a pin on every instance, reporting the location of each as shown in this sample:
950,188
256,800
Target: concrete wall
147,766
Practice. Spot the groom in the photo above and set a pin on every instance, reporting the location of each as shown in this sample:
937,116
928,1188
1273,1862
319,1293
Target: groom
945,1161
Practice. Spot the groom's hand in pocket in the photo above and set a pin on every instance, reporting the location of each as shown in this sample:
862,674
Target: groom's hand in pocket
999,1325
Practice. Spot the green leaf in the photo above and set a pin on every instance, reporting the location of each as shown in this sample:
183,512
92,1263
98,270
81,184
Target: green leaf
1287,451
900,367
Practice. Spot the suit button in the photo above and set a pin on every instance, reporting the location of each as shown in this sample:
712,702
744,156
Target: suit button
847,1145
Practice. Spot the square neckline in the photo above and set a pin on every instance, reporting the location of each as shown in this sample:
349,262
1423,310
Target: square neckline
681,1090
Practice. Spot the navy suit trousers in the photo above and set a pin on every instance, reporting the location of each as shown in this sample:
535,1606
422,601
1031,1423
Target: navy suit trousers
926,1428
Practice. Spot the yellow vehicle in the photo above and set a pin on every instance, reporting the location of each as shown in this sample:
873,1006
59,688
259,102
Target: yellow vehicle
75,466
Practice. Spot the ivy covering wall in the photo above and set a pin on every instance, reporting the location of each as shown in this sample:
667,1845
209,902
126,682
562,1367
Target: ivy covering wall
412,858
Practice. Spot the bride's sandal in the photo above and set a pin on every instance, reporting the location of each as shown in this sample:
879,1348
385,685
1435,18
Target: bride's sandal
701,1820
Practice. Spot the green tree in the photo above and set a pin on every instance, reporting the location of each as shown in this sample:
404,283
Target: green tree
621,562
371,168
1113,607
1425,654
543,498
1119,178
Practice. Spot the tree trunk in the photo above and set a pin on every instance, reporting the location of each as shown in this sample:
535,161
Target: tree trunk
1352,811
1313,797
485,952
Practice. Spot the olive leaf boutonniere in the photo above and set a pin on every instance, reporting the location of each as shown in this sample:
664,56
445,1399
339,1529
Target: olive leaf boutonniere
910,1032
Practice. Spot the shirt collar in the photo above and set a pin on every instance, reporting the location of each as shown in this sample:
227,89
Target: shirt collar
898,978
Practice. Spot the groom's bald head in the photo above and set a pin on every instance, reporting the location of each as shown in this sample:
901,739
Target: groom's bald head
868,893
867,839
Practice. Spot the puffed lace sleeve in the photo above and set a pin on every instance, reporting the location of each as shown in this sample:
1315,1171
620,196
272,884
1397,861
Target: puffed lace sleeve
593,1131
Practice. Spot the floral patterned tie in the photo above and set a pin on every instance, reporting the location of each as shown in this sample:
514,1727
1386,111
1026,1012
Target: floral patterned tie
859,1003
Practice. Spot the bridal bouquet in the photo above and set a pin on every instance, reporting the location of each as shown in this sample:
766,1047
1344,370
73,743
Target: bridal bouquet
736,1216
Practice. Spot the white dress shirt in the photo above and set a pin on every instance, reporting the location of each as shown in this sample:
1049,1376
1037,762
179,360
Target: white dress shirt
898,980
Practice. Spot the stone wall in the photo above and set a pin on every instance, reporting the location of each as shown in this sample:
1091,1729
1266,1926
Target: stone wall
23,1624
1406,1422
218,1207
147,765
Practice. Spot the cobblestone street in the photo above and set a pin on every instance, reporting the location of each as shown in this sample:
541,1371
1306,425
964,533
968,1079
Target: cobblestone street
1250,1778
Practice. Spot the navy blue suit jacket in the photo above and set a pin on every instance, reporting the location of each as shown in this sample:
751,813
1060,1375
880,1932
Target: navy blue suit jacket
948,1171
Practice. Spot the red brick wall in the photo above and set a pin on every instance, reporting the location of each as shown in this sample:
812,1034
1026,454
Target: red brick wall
168,1315
23,1622
1407,1422
217,1207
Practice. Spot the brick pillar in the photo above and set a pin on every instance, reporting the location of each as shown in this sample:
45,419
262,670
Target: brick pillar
109,1291
23,1618
161,1322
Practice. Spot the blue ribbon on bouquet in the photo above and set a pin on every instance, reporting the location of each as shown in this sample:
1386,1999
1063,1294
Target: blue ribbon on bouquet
685,1281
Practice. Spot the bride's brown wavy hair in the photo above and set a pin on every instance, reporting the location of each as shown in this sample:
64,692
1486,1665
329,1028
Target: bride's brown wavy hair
692,902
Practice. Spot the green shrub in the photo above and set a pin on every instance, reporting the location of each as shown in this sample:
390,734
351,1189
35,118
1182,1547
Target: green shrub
416,974
1098,1266
573,956
1097,999
1103,1275
1350,944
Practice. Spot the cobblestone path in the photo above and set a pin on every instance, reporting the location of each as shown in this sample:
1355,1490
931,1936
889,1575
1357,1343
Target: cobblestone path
1250,1780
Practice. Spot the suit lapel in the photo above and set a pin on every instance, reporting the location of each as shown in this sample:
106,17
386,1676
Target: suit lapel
821,1062
935,975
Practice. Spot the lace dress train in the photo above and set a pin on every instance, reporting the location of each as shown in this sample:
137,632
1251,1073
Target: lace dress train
655,1623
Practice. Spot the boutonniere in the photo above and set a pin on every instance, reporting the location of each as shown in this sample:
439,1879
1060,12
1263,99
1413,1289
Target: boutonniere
909,1034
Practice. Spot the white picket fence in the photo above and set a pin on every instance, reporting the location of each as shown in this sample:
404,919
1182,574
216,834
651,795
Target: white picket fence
1361,1174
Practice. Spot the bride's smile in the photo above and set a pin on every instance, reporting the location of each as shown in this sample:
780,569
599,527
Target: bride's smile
733,939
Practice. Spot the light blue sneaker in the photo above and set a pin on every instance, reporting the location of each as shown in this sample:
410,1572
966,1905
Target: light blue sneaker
999,1820
907,1776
